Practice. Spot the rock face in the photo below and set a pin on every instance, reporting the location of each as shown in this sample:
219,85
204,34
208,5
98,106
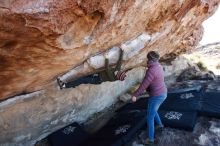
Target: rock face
206,131
195,74
28,118
34,116
40,40
43,39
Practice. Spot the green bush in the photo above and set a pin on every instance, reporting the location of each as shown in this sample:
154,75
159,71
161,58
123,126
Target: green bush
201,66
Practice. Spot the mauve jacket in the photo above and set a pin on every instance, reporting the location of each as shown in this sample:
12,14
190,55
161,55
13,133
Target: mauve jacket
153,81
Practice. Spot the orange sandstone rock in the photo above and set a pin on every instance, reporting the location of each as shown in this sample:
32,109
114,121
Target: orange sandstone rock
40,40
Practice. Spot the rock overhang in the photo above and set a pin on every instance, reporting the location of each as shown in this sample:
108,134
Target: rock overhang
43,39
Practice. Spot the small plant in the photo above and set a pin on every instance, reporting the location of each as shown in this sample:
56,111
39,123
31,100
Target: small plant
218,66
217,47
201,66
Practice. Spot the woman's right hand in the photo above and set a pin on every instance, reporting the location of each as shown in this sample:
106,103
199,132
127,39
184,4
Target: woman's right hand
134,99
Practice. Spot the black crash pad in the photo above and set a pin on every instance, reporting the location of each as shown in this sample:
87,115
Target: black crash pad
71,135
140,104
184,101
185,120
119,130
210,104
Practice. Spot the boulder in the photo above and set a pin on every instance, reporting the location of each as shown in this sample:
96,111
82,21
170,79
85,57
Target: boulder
40,40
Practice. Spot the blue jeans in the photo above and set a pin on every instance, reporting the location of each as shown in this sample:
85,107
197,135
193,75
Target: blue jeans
90,79
153,106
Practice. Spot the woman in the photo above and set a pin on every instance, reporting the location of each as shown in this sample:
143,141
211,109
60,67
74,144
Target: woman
153,83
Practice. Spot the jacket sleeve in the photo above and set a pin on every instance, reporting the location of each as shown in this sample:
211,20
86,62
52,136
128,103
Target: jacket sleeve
145,83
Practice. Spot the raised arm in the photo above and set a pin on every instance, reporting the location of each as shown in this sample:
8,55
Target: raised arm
118,66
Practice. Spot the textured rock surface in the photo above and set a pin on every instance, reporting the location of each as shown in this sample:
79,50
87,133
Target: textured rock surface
194,74
40,40
29,118
34,116
173,68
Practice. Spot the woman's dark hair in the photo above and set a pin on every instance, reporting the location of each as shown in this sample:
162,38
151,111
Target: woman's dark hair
153,56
